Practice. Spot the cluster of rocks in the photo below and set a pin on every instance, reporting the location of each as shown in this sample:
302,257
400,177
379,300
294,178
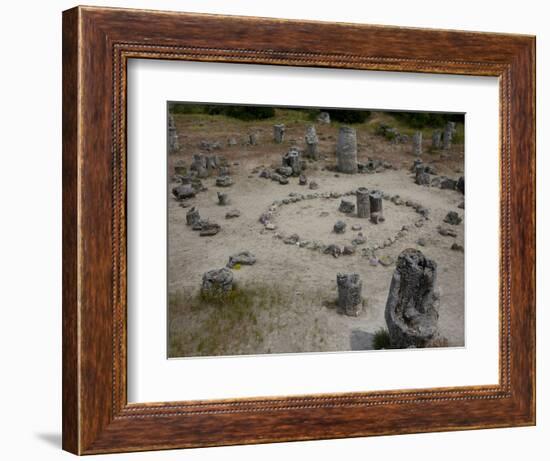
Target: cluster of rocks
412,306
443,139
219,282
373,166
391,134
203,226
209,146
425,175
188,185
370,208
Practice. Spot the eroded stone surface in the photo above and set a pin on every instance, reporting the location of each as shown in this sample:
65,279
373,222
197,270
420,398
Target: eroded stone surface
350,300
412,307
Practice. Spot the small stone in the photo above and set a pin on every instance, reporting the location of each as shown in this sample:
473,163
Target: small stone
421,241
224,181
302,181
292,240
313,185
265,174
356,227
223,199
217,281
232,214
452,218
192,217
183,192
359,240
270,226
419,223
283,180
447,183
346,207
340,227
460,205
333,250
209,229
285,170
446,232
374,261
386,260
244,258
349,250
457,247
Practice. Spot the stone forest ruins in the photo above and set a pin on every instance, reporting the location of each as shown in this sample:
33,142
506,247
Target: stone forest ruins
313,230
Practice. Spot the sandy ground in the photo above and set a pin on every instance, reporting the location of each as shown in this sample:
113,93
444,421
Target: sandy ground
307,321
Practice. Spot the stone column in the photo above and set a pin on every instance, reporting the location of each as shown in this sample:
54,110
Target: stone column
363,202
349,293
417,143
412,308
293,159
448,135
253,138
192,217
436,139
375,201
173,142
312,141
223,198
199,165
278,133
346,150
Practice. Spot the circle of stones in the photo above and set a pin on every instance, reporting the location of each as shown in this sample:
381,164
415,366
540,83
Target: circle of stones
267,220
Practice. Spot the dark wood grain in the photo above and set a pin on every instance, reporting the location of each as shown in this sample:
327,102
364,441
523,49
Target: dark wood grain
97,43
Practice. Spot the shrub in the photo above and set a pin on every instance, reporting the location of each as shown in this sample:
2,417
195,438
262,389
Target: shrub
349,115
381,339
419,120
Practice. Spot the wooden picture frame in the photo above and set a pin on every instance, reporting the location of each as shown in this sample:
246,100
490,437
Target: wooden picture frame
97,43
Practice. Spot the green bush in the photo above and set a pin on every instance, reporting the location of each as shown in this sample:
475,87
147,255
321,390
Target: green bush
381,339
421,120
246,113
349,115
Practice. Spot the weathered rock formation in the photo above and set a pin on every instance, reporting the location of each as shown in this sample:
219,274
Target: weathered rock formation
363,202
346,150
223,199
292,159
244,257
412,308
278,133
323,117
346,207
340,227
436,139
312,143
173,142
350,300
448,135
417,143
217,281
192,217
376,213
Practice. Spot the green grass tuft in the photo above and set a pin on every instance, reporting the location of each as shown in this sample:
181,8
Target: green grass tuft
381,339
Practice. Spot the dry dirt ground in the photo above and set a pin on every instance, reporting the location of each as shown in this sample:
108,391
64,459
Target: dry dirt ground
285,302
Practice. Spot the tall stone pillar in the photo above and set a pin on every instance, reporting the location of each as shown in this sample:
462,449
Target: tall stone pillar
278,133
363,202
346,150
412,308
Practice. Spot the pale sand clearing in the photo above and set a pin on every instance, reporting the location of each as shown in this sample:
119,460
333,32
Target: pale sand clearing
305,280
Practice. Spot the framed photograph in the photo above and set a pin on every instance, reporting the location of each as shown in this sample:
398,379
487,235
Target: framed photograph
284,230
